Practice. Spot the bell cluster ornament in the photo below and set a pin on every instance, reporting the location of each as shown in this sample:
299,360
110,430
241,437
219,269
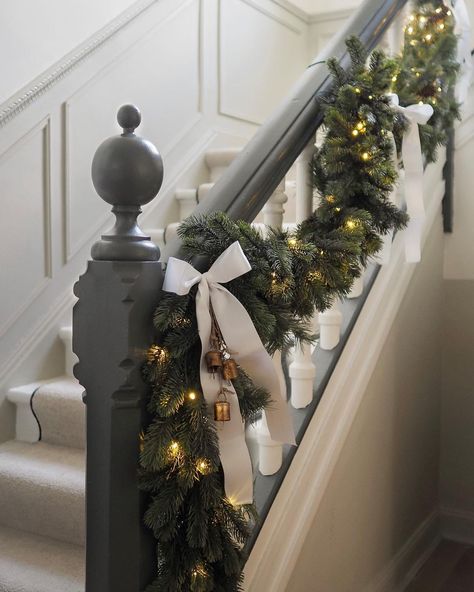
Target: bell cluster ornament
218,358
220,363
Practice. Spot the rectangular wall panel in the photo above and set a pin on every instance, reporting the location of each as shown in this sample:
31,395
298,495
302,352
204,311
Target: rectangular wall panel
262,52
161,75
25,223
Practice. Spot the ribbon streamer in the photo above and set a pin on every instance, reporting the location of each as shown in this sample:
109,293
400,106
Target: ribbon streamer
242,338
416,115
462,28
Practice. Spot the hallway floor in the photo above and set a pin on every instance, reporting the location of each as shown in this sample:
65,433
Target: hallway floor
449,569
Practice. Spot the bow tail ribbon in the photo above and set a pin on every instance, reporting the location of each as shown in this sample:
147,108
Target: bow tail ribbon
416,115
242,338
413,165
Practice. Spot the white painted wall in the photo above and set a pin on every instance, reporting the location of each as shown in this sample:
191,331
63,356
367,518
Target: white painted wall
457,418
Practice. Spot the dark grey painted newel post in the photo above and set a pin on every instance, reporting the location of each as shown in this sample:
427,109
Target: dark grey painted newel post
112,331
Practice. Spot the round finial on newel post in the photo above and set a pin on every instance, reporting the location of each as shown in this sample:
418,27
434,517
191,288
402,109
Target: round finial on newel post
127,172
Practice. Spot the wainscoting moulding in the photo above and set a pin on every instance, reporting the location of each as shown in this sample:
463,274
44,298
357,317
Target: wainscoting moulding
28,94
43,128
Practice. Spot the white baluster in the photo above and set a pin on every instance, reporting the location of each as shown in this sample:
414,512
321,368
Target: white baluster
302,373
187,200
270,453
330,322
273,210
304,185
357,287
302,370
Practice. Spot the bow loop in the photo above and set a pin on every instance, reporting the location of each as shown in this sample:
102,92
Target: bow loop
180,277
418,113
230,264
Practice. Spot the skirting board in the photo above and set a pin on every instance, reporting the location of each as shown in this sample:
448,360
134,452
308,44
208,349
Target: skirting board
403,567
457,525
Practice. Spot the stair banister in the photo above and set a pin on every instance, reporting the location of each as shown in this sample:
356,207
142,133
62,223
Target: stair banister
112,332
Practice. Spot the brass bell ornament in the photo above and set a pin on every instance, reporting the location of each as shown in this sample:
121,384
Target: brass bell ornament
230,370
222,408
213,361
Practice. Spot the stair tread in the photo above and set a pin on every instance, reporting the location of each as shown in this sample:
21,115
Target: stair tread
61,412
39,458
42,489
34,563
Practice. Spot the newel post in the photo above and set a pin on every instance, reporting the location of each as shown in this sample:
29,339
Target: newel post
112,323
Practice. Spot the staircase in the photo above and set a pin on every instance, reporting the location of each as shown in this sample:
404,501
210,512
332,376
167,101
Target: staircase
42,471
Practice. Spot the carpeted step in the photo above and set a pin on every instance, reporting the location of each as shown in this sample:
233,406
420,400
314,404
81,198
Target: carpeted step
61,413
42,490
32,563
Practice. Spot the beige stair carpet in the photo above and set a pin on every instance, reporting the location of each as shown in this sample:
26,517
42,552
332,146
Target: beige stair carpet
42,490
42,497
32,563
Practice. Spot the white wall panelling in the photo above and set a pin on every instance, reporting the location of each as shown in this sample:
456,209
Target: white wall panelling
260,59
322,27
26,261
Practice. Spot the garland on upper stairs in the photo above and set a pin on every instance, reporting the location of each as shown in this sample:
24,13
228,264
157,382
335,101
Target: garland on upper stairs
427,70
200,531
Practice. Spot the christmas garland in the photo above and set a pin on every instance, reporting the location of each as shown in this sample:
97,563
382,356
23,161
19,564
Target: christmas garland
200,533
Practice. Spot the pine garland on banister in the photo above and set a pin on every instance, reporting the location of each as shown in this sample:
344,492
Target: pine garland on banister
200,533
353,170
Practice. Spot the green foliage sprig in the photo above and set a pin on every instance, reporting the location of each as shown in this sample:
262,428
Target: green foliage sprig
200,534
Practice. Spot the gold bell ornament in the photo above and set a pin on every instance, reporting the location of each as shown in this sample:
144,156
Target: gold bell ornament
222,407
229,369
213,361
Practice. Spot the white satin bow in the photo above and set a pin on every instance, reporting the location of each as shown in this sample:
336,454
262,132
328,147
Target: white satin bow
416,115
242,338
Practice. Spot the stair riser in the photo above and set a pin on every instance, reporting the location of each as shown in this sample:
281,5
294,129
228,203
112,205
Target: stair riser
61,414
